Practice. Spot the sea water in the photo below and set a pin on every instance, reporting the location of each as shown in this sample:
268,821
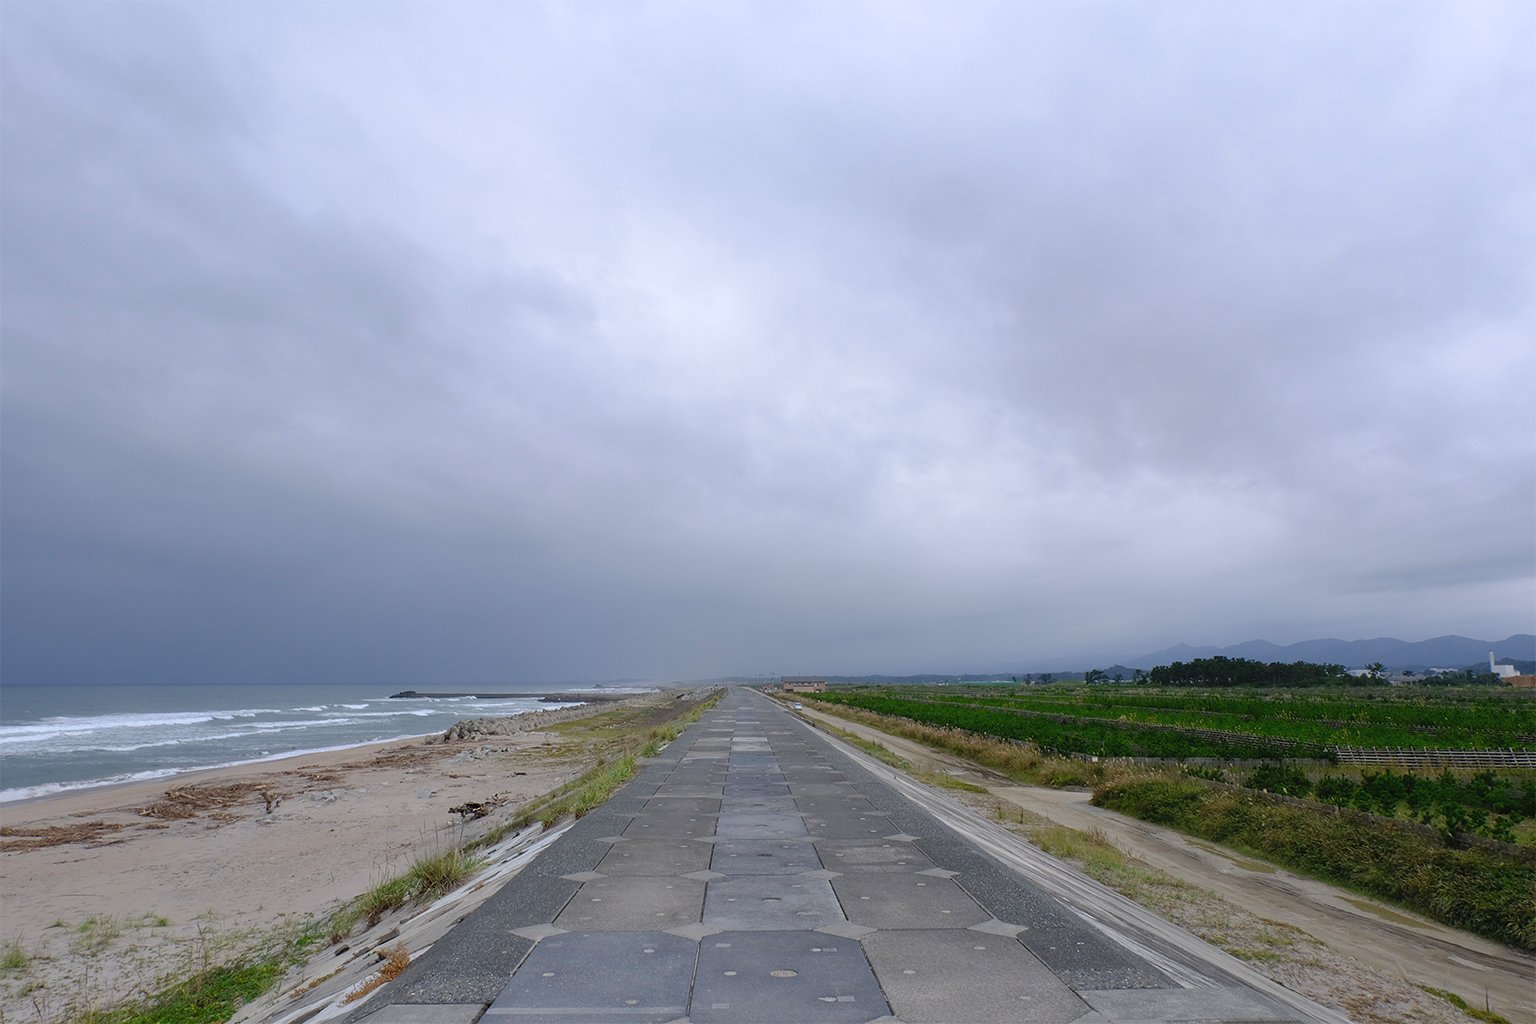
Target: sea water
66,737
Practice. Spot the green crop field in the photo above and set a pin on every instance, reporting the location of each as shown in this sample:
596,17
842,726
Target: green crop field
1135,721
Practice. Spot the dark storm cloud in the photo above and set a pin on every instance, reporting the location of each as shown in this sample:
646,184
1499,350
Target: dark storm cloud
503,343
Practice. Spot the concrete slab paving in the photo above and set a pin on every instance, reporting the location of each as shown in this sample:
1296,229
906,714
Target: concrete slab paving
759,826
950,977
851,825
824,789
633,903
713,780
627,977
906,901
686,792
754,777
672,855
828,805
647,826
763,857
732,788
796,977
861,855
759,805
770,903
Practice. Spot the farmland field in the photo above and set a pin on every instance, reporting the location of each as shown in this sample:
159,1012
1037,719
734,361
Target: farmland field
1115,721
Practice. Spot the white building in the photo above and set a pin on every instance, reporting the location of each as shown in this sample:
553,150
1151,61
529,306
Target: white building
1502,671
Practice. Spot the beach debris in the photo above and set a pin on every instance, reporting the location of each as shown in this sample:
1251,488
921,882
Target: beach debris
191,800
470,810
396,961
317,776
38,837
315,983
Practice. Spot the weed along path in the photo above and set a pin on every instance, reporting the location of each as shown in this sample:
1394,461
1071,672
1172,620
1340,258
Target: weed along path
1396,943
757,870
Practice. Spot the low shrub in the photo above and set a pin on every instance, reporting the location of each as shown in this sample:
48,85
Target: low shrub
1479,889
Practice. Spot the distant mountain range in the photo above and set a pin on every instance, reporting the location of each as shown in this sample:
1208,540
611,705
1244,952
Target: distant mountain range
1441,652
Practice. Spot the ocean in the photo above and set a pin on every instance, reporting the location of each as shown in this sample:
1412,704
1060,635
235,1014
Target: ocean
54,738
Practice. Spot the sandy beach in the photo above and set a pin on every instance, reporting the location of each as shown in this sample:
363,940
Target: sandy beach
105,890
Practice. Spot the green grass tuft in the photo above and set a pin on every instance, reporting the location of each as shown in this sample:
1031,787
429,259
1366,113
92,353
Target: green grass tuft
436,876
13,957
1475,1012
95,934
208,997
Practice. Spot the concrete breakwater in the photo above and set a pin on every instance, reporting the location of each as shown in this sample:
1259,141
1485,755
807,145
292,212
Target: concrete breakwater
548,698
477,728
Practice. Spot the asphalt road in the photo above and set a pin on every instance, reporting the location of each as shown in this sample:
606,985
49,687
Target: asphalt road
759,871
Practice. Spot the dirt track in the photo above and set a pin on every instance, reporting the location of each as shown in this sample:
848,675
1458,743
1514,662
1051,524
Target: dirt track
1394,942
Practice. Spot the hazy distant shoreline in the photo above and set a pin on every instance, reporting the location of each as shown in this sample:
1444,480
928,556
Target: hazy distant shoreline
64,739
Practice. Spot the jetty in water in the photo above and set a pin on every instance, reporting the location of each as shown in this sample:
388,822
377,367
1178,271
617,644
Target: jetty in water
548,698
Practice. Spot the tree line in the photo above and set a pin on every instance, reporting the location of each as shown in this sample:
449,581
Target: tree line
1220,670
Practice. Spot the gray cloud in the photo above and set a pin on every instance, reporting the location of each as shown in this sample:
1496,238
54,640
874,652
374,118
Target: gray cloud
526,342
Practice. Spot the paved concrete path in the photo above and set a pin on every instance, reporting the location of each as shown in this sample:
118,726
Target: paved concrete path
756,872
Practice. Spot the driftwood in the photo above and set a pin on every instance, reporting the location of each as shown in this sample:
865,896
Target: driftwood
190,801
469,810
38,837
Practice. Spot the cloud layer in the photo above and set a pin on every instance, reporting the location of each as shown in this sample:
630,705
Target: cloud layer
524,342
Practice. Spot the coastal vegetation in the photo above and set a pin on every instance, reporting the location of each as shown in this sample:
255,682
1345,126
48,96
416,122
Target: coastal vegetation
209,996
1484,889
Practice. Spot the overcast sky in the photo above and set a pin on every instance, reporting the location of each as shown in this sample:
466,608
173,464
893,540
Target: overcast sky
518,342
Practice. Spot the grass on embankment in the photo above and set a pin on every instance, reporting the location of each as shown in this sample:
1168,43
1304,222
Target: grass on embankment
1475,1012
895,760
1483,890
